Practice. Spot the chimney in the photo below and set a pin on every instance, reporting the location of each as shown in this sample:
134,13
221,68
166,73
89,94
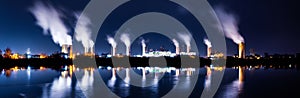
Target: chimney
188,48
127,51
177,50
208,51
113,49
86,50
64,48
71,51
242,50
92,50
143,50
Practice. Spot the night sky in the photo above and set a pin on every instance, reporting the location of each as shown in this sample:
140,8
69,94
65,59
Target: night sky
267,26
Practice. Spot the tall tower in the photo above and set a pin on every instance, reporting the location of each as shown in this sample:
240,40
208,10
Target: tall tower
208,51
242,53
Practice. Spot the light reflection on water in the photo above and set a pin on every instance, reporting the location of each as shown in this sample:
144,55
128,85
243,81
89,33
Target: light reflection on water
47,83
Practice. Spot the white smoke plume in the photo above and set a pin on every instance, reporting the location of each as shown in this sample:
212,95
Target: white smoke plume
111,41
207,43
186,38
83,31
229,23
143,43
175,42
49,19
125,39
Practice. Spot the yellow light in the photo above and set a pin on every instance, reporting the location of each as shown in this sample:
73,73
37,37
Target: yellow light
42,68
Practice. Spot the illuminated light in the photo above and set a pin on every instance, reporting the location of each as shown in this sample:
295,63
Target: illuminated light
42,68
3,71
258,58
15,69
191,56
208,71
127,78
218,68
15,56
177,72
241,74
28,68
108,68
66,68
144,73
290,65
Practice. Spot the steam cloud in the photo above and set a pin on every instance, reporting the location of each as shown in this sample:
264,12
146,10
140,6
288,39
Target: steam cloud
83,32
143,43
175,42
207,43
125,39
49,19
186,38
230,25
111,41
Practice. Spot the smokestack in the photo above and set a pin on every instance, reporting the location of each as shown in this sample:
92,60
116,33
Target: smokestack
86,50
71,51
242,50
113,44
127,51
143,47
186,38
92,50
188,49
126,40
113,53
208,44
176,46
64,48
177,50
208,51
144,50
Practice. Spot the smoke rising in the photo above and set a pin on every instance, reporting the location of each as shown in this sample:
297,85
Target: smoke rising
175,42
207,43
83,32
186,38
49,19
125,39
111,41
229,23
143,43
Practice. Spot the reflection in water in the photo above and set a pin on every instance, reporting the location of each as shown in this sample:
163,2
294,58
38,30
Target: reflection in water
127,78
208,77
236,87
177,72
59,88
113,79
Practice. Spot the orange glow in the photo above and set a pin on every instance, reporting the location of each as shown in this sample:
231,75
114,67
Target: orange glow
219,68
242,50
42,68
241,74
15,69
15,56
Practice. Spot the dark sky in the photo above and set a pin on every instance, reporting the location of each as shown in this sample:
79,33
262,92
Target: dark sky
266,25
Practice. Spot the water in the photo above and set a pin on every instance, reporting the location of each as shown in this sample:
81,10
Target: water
246,83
